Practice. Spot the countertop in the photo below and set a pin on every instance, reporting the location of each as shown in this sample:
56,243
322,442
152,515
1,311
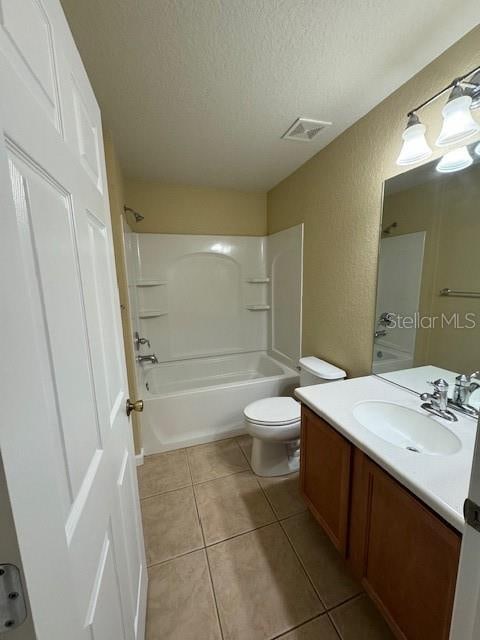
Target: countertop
441,481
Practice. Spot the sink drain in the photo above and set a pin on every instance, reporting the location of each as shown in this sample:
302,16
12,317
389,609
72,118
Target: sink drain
412,449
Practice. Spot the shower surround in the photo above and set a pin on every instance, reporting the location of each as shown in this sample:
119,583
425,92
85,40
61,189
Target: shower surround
223,316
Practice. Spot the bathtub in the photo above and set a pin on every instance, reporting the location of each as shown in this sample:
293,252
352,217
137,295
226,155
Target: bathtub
387,359
194,401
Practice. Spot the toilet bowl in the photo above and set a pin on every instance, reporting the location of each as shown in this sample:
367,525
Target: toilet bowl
274,423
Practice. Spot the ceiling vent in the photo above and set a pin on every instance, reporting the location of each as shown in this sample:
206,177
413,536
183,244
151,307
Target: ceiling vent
305,130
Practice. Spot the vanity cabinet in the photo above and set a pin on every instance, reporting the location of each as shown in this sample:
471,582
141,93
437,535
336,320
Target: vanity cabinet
405,555
325,468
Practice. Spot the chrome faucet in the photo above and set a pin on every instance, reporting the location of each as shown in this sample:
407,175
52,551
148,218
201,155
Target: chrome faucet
150,358
385,319
465,385
438,401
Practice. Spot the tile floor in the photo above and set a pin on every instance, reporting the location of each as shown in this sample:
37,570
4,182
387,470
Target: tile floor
236,557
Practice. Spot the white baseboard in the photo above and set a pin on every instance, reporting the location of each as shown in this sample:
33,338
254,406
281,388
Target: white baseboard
139,457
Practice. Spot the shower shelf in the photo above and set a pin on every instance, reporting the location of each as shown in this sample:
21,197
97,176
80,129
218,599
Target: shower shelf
151,283
258,307
153,313
264,280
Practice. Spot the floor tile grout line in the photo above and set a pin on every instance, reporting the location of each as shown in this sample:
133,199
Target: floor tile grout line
327,608
158,493
246,457
228,475
332,622
242,533
268,499
196,505
234,439
277,516
175,557
162,493
327,612
315,590
209,442
243,452
210,577
147,458
214,593
349,599
298,626
277,520
292,515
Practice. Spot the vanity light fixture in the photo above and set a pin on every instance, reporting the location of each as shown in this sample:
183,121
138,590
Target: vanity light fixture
415,147
474,91
458,123
455,160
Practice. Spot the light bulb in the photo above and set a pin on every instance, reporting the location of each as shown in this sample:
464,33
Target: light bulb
455,160
415,147
458,123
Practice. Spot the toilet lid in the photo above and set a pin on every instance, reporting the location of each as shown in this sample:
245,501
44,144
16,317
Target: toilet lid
273,411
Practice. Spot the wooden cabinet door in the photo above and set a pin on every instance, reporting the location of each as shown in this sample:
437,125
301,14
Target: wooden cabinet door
325,459
407,556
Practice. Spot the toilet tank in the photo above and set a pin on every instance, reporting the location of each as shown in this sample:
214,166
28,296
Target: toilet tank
316,371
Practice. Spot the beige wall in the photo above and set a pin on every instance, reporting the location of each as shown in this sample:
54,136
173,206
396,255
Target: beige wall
117,200
338,195
200,210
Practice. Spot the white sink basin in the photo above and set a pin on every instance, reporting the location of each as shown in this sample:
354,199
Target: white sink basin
406,428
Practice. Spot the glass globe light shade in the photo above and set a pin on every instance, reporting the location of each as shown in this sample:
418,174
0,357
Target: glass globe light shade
458,123
455,160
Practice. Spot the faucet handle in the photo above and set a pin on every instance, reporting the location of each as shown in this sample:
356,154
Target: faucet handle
439,385
463,379
138,341
426,396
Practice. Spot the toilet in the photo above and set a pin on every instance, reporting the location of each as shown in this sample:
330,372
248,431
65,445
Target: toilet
274,423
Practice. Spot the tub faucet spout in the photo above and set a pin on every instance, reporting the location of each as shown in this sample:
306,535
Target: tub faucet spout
150,358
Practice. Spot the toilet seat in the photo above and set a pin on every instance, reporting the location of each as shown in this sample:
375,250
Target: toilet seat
271,412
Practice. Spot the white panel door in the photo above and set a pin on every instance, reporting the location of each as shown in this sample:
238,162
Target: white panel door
466,609
64,435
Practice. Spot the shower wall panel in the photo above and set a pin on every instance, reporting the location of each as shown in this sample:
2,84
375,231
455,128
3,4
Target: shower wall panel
202,295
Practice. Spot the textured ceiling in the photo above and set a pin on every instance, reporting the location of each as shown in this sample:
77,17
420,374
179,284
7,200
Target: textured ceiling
200,91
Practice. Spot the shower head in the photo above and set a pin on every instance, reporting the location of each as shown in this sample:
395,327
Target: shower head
138,216
388,230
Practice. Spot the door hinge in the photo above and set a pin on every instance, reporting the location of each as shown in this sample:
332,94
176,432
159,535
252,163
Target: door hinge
471,511
13,610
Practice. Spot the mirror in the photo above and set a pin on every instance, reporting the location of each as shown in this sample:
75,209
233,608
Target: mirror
428,293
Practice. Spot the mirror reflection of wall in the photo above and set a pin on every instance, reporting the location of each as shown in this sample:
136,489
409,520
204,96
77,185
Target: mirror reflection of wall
430,242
